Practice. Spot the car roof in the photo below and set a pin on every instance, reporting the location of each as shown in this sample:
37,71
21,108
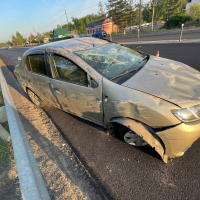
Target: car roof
73,44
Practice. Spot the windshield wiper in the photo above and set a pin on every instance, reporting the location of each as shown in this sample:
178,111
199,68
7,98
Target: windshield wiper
126,72
146,57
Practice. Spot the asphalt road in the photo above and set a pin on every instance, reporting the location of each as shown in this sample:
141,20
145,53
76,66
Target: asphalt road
159,35
122,171
11,56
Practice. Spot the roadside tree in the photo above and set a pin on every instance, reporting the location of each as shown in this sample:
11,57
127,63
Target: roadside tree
18,39
40,36
195,10
101,10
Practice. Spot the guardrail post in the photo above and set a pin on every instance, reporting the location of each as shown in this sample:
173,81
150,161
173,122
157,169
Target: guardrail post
181,32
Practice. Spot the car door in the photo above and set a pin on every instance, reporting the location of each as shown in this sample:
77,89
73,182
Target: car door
71,83
37,76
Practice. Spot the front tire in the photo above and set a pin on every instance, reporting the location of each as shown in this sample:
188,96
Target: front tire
34,98
130,137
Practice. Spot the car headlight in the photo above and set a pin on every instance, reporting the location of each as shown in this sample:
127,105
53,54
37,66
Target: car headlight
190,114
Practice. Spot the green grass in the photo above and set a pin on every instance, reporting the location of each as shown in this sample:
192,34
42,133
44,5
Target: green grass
1,99
6,126
10,188
6,152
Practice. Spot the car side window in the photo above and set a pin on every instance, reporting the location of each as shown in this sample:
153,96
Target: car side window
65,70
37,64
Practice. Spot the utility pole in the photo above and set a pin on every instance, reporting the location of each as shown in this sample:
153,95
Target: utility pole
66,15
112,24
140,14
153,15
112,18
33,29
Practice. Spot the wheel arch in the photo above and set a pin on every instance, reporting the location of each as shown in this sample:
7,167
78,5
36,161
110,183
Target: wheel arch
28,88
144,131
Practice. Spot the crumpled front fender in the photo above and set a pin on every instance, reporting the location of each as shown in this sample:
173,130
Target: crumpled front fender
146,133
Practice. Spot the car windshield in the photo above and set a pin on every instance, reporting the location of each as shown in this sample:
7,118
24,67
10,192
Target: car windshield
111,59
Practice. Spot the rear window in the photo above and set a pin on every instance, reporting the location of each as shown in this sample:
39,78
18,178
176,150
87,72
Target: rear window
37,64
111,59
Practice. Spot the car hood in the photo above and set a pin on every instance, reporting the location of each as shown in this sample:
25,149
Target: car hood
169,80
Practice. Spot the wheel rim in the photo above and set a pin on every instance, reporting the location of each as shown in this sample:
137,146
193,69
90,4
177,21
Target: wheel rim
134,139
33,98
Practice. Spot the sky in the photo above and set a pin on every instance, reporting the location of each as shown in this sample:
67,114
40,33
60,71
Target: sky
43,15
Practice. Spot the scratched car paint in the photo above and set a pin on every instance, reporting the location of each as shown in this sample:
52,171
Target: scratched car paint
142,98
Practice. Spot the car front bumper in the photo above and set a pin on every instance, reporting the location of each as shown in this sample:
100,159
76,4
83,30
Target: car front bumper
179,138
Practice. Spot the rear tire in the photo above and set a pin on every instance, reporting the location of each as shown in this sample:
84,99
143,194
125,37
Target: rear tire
34,98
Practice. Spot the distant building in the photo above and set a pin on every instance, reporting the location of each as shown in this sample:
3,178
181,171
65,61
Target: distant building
46,38
105,24
190,3
60,33
74,32
31,38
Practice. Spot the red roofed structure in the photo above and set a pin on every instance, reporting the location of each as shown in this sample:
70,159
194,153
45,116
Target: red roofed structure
105,24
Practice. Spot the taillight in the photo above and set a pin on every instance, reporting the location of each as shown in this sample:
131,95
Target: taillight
15,73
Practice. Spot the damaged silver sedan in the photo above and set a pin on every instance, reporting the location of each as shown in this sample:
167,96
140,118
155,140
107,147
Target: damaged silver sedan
142,98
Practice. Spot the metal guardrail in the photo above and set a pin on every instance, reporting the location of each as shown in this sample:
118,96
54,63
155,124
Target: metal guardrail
31,181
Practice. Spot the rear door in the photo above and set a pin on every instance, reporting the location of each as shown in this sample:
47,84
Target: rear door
37,76
71,84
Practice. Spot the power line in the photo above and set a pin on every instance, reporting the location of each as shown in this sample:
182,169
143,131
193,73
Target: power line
68,14
50,23
71,13
83,9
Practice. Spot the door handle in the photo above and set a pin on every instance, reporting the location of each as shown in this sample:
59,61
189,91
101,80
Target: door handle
106,99
58,90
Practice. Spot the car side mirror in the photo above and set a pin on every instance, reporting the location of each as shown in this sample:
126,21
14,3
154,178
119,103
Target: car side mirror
19,58
92,83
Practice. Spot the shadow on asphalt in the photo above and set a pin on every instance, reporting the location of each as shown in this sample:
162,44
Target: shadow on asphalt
9,63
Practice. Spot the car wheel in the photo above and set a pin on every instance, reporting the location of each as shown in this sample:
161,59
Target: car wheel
34,98
134,139
130,137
